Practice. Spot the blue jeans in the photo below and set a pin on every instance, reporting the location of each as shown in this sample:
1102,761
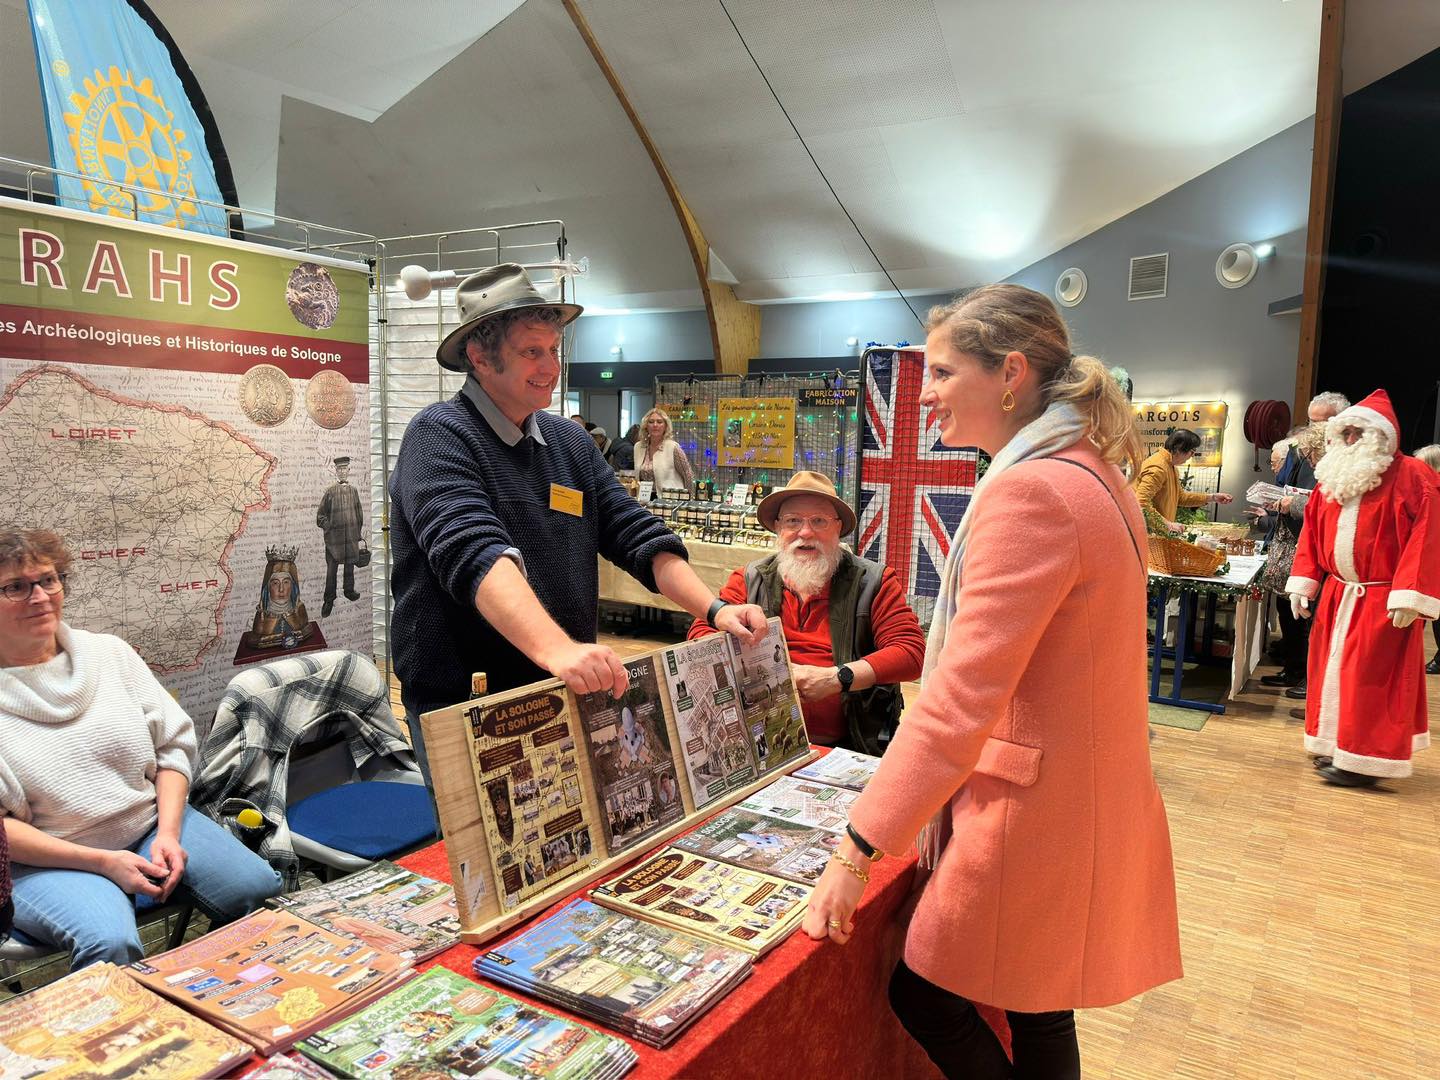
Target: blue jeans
93,918
417,743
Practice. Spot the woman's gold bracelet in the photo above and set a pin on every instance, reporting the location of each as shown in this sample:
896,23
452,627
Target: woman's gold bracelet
843,861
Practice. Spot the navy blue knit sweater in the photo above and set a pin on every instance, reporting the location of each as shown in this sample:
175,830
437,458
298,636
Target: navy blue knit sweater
459,497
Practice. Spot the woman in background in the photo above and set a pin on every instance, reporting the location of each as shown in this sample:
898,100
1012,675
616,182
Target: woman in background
95,767
1430,455
1157,484
1296,468
658,457
1053,887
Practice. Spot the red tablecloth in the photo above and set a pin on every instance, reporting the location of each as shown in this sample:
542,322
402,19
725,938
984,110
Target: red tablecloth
811,1009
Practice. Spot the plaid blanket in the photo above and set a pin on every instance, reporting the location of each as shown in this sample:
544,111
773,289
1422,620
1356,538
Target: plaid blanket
265,712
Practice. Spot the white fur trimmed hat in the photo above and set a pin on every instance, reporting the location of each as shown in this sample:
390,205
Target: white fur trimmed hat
1374,412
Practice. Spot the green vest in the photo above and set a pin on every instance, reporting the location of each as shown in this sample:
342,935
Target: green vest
870,715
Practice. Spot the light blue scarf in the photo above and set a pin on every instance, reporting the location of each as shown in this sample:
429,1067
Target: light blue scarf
1058,427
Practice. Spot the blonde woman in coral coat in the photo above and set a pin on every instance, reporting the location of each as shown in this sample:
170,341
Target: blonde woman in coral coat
1053,887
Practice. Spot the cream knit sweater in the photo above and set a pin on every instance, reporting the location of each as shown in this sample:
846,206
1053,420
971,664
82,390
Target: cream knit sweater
81,737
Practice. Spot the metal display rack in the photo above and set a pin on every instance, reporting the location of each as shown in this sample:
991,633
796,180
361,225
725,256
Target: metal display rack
827,437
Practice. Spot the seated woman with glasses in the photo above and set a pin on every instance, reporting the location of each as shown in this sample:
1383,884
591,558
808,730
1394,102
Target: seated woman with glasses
95,764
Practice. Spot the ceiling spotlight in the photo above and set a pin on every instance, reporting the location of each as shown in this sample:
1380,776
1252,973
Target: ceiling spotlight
852,341
1236,266
1071,286
616,350
1265,250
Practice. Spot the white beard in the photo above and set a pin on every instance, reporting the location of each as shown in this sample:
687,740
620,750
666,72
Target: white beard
809,574
1347,472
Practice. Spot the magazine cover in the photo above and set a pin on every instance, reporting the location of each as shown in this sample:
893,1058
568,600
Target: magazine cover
742,908
289,1066
390,908
271,976
803,802
99,1022
840,768
633,975
713,741
745,838
532,791
772,707
635,781
442,1024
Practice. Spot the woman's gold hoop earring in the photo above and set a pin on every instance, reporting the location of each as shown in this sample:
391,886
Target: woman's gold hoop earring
1007,401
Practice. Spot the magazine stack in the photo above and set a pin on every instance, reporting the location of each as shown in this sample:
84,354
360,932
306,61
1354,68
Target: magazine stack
773,845
803,802
840,768
99,1022
272,977
639,978
388,907
291,1066
442,1024
731,905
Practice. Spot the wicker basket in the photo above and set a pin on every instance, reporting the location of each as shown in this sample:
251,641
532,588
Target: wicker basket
1170,555
1221,530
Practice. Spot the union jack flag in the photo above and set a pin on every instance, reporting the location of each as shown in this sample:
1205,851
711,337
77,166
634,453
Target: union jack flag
913,490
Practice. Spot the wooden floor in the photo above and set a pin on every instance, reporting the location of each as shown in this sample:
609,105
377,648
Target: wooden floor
1309,915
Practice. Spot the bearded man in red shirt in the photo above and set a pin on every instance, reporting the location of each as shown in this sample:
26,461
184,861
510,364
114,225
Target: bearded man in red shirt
852,637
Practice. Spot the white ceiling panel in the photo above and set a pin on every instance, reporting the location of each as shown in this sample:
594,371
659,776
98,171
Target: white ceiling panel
967,138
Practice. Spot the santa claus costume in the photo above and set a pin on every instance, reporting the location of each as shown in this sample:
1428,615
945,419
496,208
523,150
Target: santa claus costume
1376,534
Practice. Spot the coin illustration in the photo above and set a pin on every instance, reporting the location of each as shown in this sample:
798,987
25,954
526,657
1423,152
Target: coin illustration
330,400
266,396
312,296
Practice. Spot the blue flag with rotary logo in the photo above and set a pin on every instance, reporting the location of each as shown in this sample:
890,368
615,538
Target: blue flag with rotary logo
122,108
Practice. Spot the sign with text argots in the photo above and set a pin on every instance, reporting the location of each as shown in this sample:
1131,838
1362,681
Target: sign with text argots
756,432
1155,421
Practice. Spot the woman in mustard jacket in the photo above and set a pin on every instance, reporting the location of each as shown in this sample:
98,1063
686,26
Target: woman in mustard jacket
1157,484
1053,887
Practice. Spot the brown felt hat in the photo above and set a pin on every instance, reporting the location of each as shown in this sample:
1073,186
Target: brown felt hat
805,483
506,287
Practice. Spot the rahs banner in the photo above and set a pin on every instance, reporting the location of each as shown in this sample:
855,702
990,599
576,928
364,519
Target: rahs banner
174,407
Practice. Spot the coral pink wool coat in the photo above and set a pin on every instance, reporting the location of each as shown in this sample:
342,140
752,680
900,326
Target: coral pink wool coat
1056,888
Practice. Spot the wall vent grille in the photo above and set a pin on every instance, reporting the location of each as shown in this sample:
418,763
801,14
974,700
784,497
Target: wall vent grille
1148,274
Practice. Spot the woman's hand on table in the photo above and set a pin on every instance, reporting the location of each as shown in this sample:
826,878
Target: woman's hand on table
837,894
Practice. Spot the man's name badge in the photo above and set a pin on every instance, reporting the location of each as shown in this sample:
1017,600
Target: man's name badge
567,500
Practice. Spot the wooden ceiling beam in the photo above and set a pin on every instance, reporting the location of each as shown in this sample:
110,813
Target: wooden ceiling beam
734,324
1329,99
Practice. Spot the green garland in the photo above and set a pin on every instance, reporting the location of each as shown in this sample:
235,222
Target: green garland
1200,587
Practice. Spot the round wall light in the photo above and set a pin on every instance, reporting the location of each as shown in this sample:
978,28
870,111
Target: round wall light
1070,286
1236,266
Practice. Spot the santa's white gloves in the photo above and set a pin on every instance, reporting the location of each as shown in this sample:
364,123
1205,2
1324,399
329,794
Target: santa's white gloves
1402,617
1299,606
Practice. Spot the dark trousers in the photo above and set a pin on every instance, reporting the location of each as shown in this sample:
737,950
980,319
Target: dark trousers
330,567
961,1044
1294,638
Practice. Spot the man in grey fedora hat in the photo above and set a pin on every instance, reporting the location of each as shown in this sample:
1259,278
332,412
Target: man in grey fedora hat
851,634
498,511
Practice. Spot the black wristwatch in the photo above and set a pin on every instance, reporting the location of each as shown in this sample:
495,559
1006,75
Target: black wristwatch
846,677
714,610
867,849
